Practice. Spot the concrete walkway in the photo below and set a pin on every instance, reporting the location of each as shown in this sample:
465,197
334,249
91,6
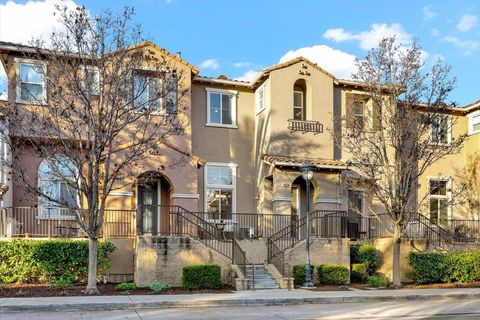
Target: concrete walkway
240,298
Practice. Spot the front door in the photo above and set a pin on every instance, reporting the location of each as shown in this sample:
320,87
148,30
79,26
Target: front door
295,209
148,205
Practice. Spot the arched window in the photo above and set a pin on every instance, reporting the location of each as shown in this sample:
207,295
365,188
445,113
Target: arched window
56,179
299,97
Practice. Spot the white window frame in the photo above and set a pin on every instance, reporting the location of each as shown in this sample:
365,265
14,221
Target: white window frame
471,116
233,187
447,197
362,115
449,133
19,62
97,78
233,95
302,106
41,207
260,102
162,110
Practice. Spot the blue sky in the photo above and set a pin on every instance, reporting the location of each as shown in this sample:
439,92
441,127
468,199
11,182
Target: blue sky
239,38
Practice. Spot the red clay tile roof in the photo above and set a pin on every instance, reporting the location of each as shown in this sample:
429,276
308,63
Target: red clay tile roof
298,161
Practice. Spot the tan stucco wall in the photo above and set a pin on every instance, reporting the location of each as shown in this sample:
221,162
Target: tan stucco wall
255,250
121,261
164,261
226,145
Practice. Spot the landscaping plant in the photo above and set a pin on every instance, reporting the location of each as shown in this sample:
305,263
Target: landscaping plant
202,276
157,286
298,274
126,286
333,274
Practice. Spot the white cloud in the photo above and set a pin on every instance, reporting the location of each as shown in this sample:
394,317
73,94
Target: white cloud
428,13
21,22
248,75
3,83
239,65
435,32
370,39
211,64
339,63
468,46
467,22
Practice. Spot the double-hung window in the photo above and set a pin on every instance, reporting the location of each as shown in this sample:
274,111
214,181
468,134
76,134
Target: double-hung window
439,198
440,125
220,181
91,80
298,105
156,94
358,115
221,105
474,123
31,82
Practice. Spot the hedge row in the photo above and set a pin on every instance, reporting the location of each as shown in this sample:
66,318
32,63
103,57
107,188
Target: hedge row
202,276
436,267
52,261
327,274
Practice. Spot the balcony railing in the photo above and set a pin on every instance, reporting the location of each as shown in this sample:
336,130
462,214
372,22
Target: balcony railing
305,126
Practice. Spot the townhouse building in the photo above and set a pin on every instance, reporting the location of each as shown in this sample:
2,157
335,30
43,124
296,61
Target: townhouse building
241,153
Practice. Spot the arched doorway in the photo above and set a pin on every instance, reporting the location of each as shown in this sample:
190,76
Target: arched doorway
299,201
153,200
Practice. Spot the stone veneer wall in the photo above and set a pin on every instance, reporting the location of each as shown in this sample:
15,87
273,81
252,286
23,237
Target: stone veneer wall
322,251
162,259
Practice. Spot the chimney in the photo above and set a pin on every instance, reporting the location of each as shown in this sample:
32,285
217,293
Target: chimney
179,54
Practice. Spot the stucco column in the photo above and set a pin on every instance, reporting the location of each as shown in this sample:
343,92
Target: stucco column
282,194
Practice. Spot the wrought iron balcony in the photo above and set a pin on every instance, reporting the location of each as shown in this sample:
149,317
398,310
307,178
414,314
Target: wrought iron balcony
305,126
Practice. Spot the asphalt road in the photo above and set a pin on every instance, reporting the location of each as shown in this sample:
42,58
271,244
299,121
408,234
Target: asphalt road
441,310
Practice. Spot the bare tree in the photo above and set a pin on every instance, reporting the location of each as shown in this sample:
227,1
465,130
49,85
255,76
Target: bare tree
111,103
395,129
470,175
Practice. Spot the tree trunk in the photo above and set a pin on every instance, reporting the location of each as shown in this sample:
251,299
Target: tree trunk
92,266
396,256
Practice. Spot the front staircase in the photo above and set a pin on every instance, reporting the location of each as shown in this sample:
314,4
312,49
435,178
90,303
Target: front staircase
260,278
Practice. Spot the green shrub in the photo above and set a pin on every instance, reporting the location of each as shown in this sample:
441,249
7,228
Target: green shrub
359,272
126,286
55,261
202,276
376,282
333,274
436,267
364,253
298,274
157,286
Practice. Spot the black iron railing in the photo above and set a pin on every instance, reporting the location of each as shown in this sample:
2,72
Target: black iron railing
305,126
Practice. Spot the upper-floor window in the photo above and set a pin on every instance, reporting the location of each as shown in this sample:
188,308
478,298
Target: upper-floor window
91,80
31,83
440,126
221,108
260,99
298,103
474,123
358,115
156,94
439,198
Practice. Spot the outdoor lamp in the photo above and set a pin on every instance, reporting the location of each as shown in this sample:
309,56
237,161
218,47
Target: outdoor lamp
307,170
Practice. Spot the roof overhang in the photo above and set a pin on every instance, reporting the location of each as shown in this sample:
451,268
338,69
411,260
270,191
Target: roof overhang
296,162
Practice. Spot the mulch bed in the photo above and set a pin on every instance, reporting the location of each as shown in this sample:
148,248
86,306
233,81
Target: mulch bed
45,290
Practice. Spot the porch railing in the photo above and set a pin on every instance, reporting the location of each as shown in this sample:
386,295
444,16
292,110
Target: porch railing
61,223
305,126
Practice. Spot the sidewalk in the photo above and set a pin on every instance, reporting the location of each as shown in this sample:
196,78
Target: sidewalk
240,298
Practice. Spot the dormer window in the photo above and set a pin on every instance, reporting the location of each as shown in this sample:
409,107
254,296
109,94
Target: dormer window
474,123
31,82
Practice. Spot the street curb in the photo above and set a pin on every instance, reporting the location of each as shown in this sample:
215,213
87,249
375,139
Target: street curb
101,306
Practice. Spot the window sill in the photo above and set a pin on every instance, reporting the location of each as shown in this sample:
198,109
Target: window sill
473,133
226,126
35,103
55,218
260,111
